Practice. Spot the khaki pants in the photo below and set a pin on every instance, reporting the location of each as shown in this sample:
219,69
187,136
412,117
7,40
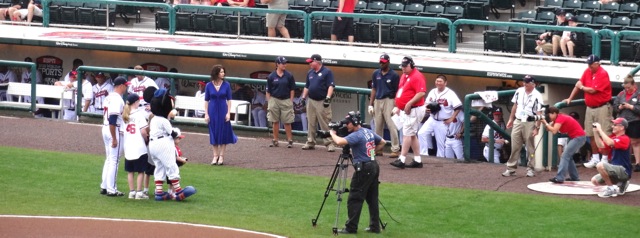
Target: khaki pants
317,114
382,116
521,134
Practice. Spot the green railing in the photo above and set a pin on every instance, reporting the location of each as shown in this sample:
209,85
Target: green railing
615,44
33,69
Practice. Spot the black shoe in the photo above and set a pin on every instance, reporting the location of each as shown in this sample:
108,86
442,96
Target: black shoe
415,164
555,180
345,231
368,229
636,168
398,164
103,191
116,194
622,187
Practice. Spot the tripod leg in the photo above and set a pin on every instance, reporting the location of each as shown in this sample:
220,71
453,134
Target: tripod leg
342,188
332,181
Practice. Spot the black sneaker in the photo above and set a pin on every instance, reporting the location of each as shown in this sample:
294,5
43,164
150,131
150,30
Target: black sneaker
622,187
636,168
415,164
370,230
555,180
116,194
397,163
103,191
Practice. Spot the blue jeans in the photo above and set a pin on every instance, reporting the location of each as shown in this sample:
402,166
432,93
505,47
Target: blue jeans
566,160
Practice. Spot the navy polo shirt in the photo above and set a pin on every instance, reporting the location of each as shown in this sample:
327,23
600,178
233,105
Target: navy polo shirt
280,87
386,85
318,83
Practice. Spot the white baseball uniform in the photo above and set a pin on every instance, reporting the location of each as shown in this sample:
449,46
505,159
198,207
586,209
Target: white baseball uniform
162,149
453,142
7,77
200,95
26,78
113,106
138,87
70,105
448,101
135,146
100,93
496,146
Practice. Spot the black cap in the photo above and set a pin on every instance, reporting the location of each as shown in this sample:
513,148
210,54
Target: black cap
407,61
592,59
119,81
100,74
384,58
132,98
529,79
560,11
28,59
315,57
281,60
572,18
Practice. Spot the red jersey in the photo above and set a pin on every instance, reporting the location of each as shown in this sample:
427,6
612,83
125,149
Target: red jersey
349,6
251,3
569,126
601,83
409,86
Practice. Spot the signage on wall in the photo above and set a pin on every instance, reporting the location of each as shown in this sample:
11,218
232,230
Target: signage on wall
51,68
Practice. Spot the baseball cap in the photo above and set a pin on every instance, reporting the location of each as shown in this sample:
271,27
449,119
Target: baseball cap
181,136
529,79
620,121
406,61
202,83
100,74
384,58
572,18
592,59
119,81
73,74
281,60
497,111
28,59
132,98
315,57
560,11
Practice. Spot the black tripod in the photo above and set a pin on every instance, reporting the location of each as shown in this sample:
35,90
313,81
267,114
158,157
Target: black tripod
340,176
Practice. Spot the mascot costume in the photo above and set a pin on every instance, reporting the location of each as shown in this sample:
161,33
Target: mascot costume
161,146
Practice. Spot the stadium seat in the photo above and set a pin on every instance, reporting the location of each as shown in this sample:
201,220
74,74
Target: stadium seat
295,25
435,9
100,15
570,6
323,27
627,9
599,22
424,34
628,49
385,31
302,5
363,30
547,17
529,15
360,5
402,32
393,8
184,21
478,9
593,5
375,7
162,20
553,3
412,9
453,13
493,40
86,15
256,24
503,5
585,18
618,23
320,5
461,3
202,20
237,23
530,43
435,2
220,21
68,14
512,42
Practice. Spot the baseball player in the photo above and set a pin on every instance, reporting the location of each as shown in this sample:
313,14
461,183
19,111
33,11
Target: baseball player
100,92
437,124
70,104
498,140
26,78
139,84
111,133
453,141
6,76
76,63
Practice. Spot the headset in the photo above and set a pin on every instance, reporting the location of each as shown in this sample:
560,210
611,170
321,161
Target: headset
410,60
354,117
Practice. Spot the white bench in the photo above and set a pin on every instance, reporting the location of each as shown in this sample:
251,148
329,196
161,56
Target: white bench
23,90
188,103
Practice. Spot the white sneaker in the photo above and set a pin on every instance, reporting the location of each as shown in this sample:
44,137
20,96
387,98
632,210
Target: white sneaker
610,191
530,173
592,163
132,195
141,195
508,173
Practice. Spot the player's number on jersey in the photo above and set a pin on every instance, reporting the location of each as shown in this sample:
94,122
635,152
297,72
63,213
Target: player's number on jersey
131,128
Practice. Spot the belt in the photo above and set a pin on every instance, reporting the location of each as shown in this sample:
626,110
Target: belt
99,108
451,137
283,98
71,109
604,104
159,137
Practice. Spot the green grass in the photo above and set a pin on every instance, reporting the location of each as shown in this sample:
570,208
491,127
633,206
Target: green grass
63,184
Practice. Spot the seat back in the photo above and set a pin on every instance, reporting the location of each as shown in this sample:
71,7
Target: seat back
591,5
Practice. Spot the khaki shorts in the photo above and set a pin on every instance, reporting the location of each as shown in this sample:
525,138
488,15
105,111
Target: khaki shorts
275,20
547,48
600,115
411,124
280,110
616,173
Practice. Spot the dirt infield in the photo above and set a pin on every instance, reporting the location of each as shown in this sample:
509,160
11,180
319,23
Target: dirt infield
252,152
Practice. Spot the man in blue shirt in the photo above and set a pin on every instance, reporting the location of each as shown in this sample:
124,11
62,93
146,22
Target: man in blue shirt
384,85
364,183
319,87
280,91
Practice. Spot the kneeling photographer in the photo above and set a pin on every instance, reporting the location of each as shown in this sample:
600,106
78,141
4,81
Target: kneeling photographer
364,183
559,122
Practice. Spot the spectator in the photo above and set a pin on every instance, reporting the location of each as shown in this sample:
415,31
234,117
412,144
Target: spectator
8,12
343,26
498,140
410,106
597,93
549,42
217,103
448,104
276,20
565,124
627,106
236,3
618,170
33,8
384,86
527,101
319,87
280,92
570,39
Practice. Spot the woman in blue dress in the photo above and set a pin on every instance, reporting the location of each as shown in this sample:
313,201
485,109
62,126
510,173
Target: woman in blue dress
217,104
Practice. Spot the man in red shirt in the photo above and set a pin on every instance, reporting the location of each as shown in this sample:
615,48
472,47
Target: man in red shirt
597,93
410,106
566,124
343,25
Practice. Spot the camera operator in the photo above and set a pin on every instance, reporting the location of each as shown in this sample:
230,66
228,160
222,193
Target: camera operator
364,183
562,123
443,105
619,170
527,102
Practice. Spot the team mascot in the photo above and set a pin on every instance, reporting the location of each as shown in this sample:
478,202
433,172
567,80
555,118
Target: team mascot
161,146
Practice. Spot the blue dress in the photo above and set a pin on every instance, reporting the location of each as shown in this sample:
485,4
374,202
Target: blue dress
220,131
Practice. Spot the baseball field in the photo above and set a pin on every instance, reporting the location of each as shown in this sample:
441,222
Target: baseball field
43,179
